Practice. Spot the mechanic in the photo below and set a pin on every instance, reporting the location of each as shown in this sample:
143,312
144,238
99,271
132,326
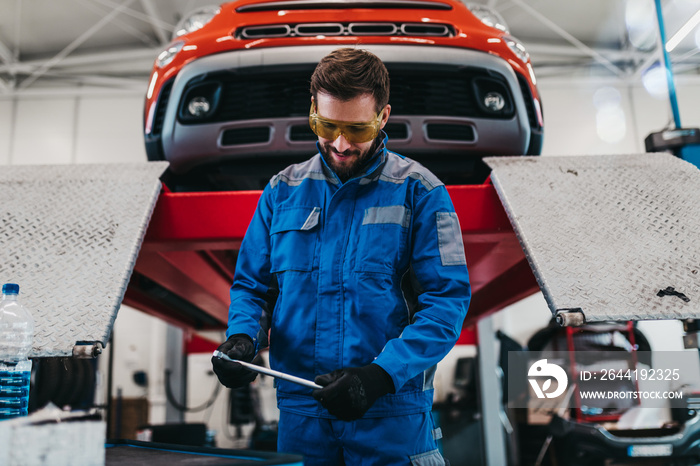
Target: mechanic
366,251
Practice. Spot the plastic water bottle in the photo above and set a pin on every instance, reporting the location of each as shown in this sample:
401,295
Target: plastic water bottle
16,336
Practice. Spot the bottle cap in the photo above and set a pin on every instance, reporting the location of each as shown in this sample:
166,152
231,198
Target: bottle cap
10,288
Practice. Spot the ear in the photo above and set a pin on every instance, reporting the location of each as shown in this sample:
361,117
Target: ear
385,116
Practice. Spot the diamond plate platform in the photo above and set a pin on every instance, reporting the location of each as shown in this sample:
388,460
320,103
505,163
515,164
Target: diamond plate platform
613,237
69,236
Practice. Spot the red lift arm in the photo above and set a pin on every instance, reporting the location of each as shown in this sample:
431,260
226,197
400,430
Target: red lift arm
186,264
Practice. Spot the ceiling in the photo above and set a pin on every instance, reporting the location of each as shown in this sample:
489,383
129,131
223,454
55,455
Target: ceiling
49,46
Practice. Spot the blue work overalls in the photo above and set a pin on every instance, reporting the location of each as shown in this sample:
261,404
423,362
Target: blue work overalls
370,270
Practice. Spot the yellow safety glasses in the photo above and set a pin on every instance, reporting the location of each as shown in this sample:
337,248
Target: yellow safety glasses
354,131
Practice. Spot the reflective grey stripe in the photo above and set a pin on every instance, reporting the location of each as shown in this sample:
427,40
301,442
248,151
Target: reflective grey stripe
450,239
297,181
294,175
397,170
422,179
396,214
428,377
312,219
430,458
437,433
425,181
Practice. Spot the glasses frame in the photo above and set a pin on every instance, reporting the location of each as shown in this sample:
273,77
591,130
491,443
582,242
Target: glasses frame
342,126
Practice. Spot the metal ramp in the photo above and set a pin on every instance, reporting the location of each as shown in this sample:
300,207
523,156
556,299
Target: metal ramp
69,236
609,238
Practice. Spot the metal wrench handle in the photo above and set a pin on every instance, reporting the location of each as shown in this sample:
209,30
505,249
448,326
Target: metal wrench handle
270,372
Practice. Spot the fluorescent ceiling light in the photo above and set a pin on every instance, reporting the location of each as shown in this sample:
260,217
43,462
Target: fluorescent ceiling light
682,32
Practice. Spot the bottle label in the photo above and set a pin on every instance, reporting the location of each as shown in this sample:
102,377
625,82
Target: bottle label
14,393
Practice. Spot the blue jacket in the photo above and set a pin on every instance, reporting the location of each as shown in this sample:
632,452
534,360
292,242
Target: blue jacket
370,270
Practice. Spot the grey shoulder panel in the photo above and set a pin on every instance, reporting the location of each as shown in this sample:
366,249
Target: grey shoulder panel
295,174
398,170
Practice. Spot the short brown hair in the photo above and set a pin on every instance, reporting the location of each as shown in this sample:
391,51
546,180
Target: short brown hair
347,73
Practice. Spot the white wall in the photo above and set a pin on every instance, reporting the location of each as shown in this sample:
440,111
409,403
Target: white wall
572,117
139,343
79,128
6,130
109,130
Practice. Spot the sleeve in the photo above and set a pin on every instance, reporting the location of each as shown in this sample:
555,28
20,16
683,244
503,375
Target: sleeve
439,276
252,278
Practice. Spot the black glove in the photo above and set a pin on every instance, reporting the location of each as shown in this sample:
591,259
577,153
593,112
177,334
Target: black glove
231,374
348,393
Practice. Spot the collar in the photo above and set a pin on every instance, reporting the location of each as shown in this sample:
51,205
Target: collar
377,159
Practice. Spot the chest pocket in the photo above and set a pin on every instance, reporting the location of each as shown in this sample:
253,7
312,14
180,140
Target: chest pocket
294,236
381,245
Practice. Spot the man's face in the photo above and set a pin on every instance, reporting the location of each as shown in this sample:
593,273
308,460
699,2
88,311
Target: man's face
344,157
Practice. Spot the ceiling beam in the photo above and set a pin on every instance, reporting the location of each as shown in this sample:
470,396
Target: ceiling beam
72,92
571,39
108,81
121,24
138,15
36,74
6,54
73,61
570,51
70,80
155,21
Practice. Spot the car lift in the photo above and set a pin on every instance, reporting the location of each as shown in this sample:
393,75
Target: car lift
606,238
187,251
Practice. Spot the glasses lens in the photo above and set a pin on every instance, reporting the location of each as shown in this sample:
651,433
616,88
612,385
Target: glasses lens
327,130
354,132
360,133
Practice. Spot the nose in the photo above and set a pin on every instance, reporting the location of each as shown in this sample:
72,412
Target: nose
341,144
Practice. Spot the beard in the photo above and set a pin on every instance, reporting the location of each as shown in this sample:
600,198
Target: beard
352,166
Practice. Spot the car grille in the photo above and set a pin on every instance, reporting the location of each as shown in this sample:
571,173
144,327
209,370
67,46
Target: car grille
162,104
342,4
242,136
529,105
448,132
279,92
301,133
264,96
344,29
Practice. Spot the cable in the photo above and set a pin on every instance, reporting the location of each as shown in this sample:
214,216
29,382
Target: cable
184,408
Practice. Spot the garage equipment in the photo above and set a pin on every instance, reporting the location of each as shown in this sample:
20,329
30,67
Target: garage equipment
682,142
609,238
132,452
70,236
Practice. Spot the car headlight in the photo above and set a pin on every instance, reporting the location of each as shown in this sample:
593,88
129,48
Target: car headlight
518,49
199,107
168,55
195,20
200,102
488,16
494,101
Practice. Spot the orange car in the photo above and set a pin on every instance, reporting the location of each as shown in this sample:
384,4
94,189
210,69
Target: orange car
228,100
